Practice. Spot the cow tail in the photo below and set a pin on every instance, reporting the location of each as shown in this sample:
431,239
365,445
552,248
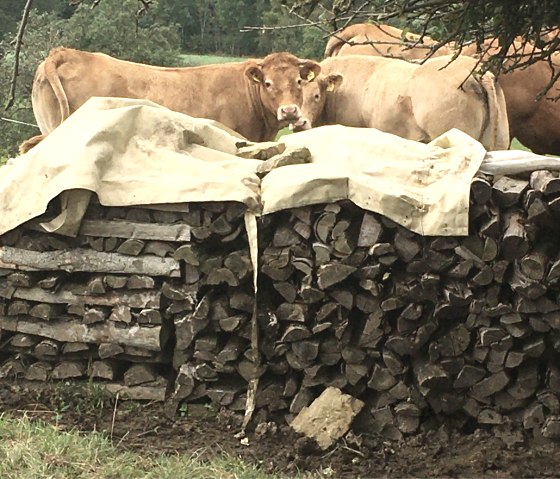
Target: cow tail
54,80
333,45
496,132
337,40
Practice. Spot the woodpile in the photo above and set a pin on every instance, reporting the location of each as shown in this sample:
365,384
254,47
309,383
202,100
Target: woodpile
114,303
417,327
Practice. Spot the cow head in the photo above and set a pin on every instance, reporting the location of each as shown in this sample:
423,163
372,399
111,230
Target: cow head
281,77
314,98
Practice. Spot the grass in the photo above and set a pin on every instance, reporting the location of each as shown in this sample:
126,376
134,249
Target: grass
198,60
32,449
516,145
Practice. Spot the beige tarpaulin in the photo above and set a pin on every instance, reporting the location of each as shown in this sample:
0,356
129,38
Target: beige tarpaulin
133,152
425,188
129,152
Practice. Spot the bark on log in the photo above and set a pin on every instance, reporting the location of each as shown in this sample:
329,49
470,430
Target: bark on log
87,260
134,230
153,339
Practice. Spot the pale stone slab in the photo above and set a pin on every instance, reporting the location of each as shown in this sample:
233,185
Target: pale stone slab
327,418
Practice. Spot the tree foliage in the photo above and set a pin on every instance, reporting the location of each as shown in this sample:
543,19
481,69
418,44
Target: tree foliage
532,23
110,29
155,31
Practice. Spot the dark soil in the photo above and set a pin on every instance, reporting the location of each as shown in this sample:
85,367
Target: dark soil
144,428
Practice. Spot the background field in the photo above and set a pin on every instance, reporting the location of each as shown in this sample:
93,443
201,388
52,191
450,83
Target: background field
196,60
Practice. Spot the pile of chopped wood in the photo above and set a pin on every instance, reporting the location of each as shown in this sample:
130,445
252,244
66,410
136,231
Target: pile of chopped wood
112,304
418,326
414,326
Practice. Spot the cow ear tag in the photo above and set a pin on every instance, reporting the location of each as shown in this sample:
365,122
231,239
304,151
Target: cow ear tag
255,78
330,86
310,75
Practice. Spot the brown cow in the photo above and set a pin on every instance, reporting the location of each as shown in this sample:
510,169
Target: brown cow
411,100
535,123
385,41
256,98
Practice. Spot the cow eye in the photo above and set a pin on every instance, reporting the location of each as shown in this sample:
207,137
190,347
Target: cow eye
267,83
317,96
299,81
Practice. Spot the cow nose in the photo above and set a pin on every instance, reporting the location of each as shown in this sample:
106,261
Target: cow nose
300,125
289,112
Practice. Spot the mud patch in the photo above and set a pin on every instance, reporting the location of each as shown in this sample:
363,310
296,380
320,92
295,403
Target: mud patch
201,429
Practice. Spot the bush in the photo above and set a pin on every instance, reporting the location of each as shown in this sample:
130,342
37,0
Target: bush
109,28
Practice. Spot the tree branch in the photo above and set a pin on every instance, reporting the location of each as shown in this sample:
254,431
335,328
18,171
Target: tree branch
19,41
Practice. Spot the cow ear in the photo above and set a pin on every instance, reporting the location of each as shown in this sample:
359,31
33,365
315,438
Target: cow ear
334,80
254,72
309,70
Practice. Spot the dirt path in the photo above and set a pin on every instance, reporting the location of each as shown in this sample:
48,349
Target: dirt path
203,430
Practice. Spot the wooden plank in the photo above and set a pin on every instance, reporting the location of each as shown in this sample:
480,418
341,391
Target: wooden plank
81,259
134,299
75,331
135,230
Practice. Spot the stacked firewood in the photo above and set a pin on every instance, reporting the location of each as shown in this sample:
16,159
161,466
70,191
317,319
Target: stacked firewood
417,327
108,303
214,338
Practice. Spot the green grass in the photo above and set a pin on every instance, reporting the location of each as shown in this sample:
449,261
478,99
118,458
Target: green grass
198,60
516,145
282,132
32,449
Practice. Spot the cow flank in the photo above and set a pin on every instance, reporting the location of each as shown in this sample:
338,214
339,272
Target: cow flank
255,98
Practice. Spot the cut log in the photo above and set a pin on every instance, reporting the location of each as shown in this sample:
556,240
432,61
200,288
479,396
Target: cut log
121,314
135,299
508,191
109,350
39,371
87,260
545,182
134,230
69,369
145,392
46,311
481,190
514,240
74,331
333,273
47,348
104,369
139,374
95,315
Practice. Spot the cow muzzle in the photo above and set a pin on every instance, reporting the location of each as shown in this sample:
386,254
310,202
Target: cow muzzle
289,113
301,124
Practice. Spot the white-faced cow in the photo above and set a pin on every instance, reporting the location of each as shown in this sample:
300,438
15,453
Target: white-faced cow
415,101
255,98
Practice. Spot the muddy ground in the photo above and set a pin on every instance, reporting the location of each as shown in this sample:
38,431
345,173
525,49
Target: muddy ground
438,452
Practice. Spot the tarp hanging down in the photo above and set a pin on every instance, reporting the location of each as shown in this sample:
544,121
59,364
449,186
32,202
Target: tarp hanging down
133,152
129,152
